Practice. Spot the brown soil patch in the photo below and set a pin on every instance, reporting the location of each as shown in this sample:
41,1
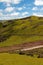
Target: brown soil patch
20,46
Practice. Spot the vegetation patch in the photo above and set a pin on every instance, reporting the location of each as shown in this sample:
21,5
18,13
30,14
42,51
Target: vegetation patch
16,59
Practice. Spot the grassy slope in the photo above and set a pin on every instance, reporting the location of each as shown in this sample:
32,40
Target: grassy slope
22,30
15,59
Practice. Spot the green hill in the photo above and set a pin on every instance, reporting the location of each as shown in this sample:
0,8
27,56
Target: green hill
20,31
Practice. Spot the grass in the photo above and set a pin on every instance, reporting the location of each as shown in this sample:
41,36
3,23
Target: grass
15,59
18,32
21,31
19,40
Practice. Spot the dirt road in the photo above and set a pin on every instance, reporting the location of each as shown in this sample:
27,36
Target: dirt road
22,47
40,46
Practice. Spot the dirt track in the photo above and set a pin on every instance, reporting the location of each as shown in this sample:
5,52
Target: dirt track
31,48
24,46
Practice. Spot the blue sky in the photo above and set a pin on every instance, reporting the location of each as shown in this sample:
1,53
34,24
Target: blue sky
13,9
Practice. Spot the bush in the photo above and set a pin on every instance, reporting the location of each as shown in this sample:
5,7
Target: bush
40,56
21,53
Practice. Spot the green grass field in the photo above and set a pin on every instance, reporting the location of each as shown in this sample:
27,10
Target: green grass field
15,59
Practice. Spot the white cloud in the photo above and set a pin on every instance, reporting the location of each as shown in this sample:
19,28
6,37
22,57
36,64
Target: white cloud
8,4
35,8
5,0
15,14
11,1
20,8
10,14
38,2
9,9
38,14
1,14
25,13
16,1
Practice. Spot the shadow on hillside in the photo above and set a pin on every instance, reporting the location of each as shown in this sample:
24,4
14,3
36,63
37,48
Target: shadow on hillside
6,31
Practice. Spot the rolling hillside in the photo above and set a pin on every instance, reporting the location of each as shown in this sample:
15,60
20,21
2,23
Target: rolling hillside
19,31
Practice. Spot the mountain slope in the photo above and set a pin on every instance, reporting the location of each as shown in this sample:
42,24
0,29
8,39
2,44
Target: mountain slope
21,30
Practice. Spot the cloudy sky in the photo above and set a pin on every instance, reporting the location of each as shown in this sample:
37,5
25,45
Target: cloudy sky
12,9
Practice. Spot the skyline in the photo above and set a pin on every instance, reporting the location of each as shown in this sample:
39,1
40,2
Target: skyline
14,9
